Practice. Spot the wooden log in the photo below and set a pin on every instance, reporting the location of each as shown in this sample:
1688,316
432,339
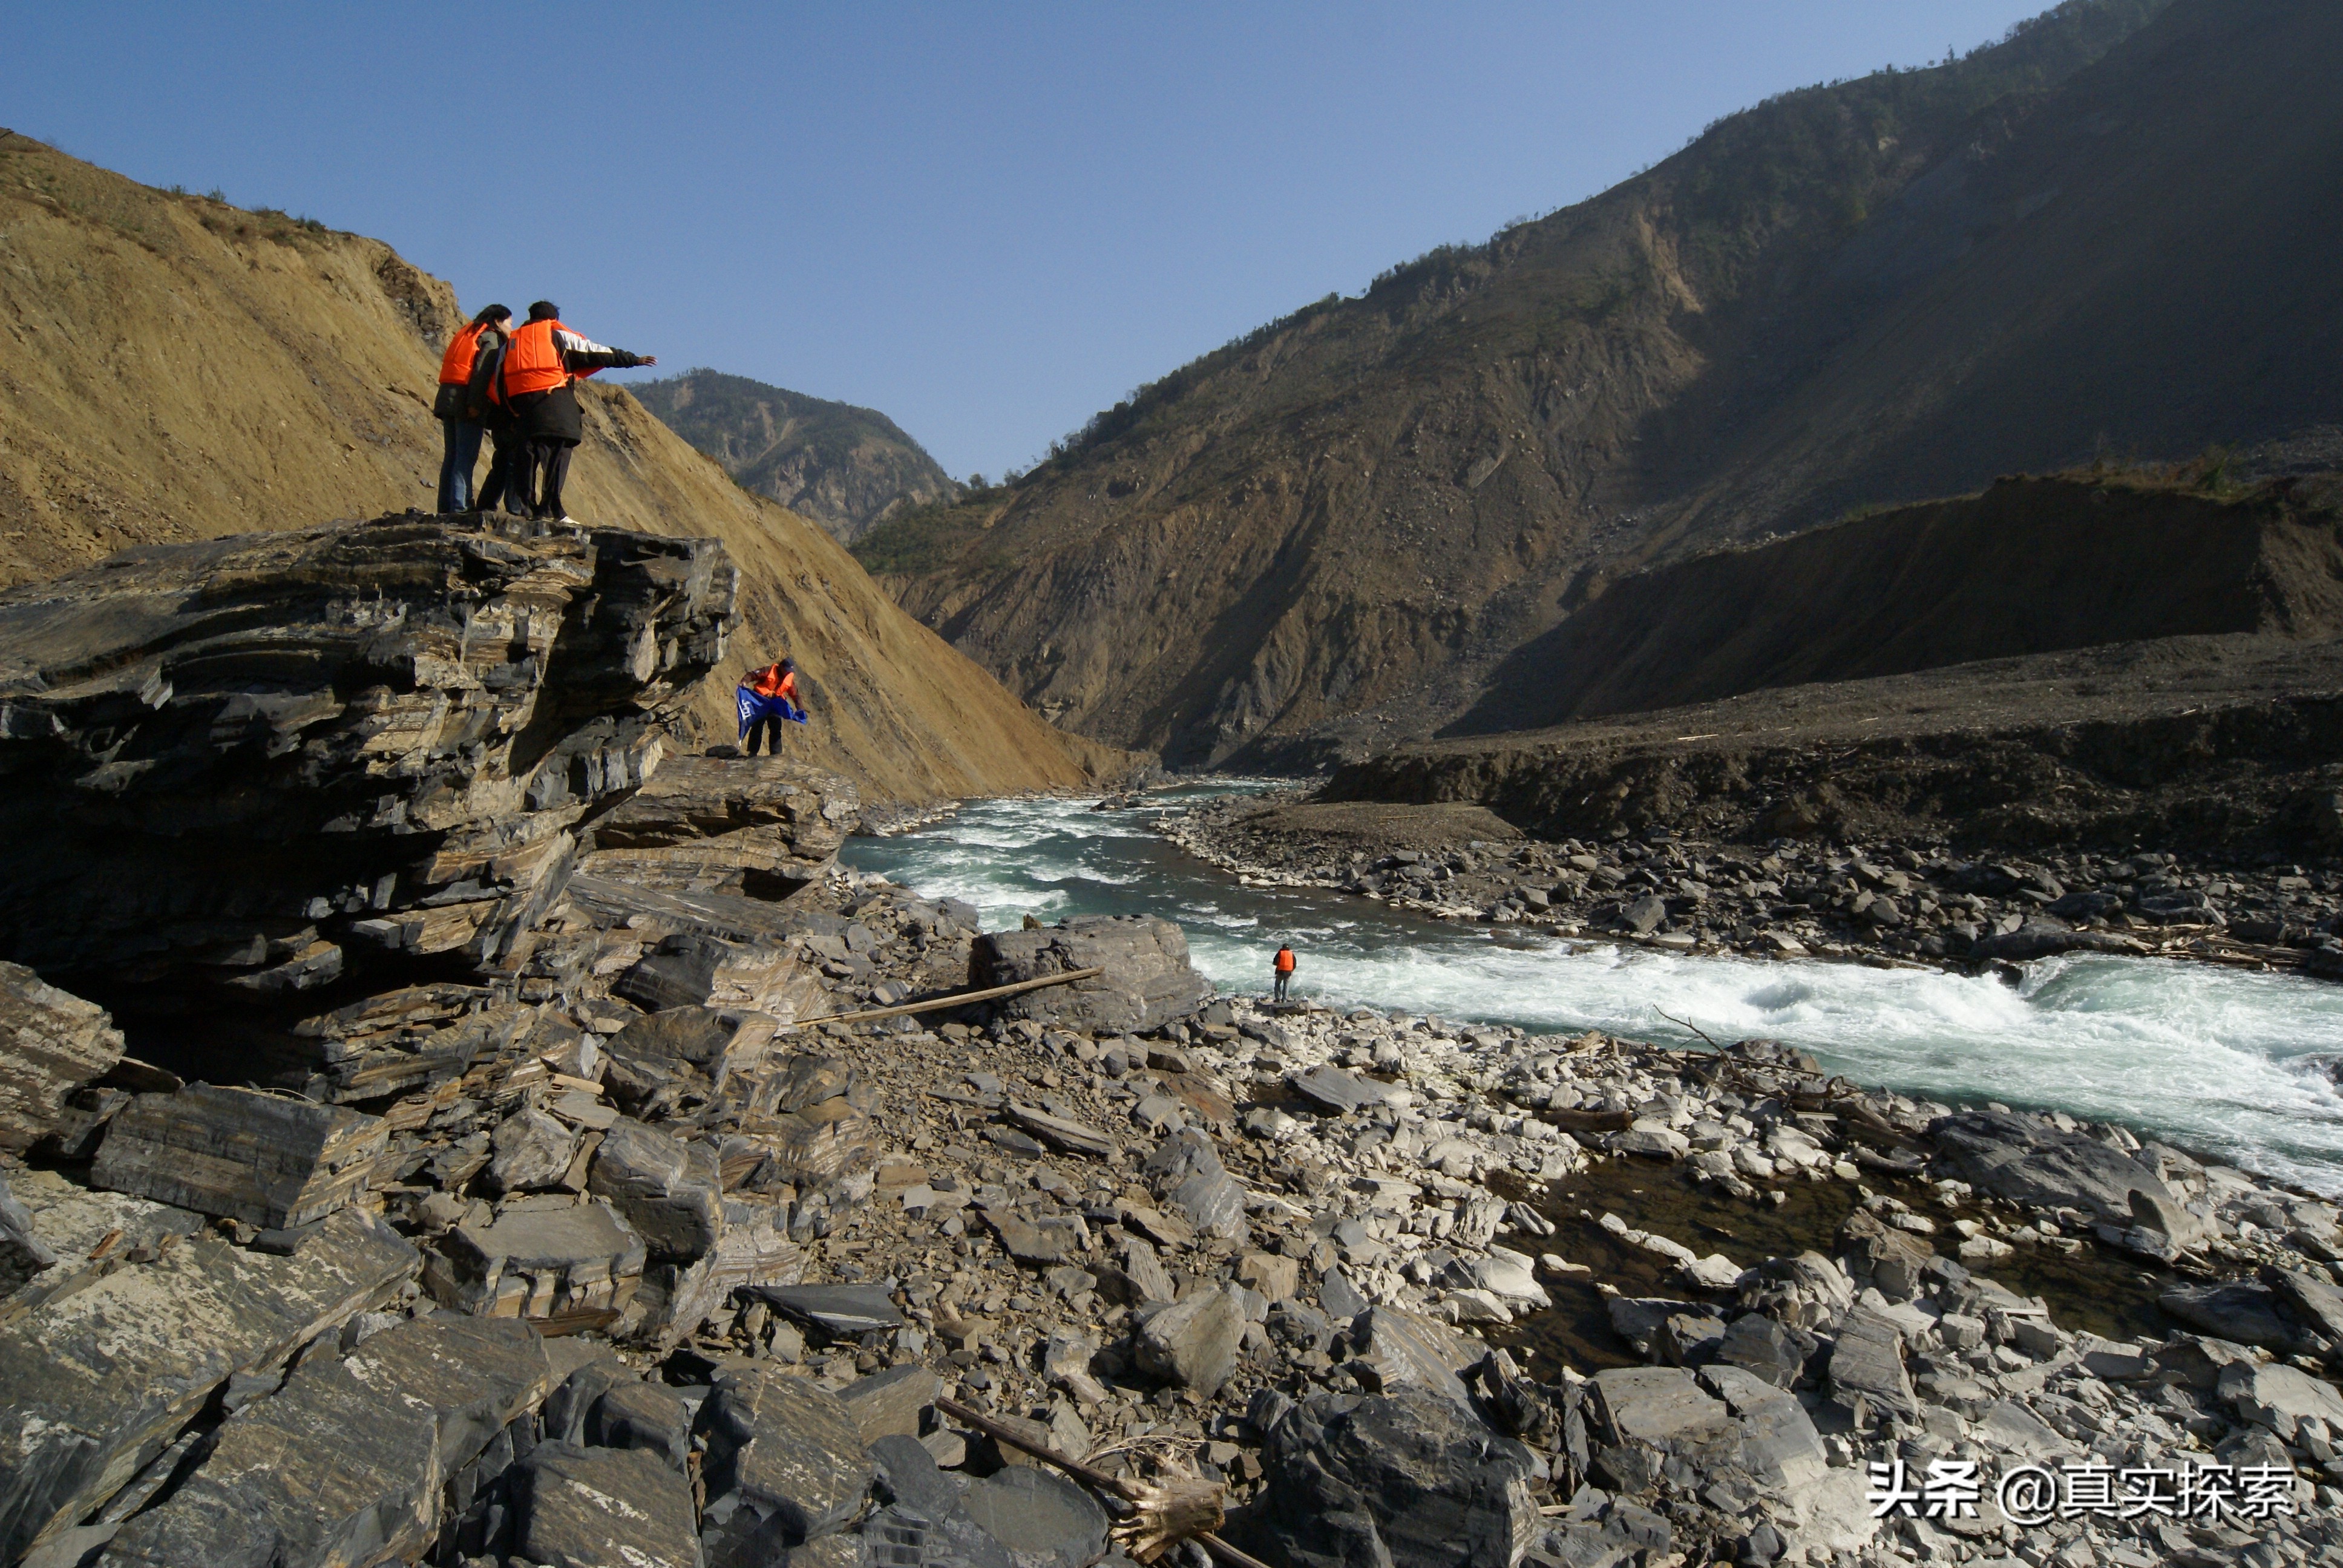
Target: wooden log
957,999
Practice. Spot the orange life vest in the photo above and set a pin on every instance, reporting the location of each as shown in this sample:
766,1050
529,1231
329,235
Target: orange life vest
533,361
774,681
1285,960
463,349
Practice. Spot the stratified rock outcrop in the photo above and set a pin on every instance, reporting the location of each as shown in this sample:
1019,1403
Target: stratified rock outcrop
236,759
51,1043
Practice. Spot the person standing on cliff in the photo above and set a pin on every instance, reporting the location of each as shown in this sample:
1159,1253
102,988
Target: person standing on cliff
538,382
768,697
456,409
1282,966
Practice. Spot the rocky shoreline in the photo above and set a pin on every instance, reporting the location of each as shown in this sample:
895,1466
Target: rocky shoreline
1891,901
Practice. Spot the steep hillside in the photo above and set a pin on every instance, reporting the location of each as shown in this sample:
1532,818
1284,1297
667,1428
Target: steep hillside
177,369
2031,566
848,469
2109,233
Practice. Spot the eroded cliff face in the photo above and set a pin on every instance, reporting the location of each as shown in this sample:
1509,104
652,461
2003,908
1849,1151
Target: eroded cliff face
1324,538
177,369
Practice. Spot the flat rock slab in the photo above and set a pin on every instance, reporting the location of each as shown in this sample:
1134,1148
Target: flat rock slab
263,1159
1043,1519
1654,1404
784,1464
2280,1397
51,1043
575,1265
1866,1368
2034,1163
94,1384
1067,1137
347,1463
594,1507
1331,1088
842,1311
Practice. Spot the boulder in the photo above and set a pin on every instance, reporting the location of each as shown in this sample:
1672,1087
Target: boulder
1185,1171
1763,1347
2280,1397
842,1312
754,1250
2244,1312
51,1043
1337,1091
588,1507
1148,981
1193,1342
226,755
754,825
888,1403
533,1150
693,969
1867,1375
2030,1160
101,1377
784,1466
1404,1349
348,1463
268,1160
564,1266
667,1191
1656,1404
650,1416
1044,1520
1405,1479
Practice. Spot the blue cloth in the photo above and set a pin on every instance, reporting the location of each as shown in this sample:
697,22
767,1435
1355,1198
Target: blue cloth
460,451
753,708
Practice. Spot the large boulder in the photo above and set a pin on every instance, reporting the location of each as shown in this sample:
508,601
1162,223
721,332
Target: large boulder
2029,1160
347,1463
785,1465
51,1043
753,825
230,759
100,1378
1146,983
1405,1480
266,1160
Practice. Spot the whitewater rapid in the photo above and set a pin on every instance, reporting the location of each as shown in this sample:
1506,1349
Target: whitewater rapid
2221,1061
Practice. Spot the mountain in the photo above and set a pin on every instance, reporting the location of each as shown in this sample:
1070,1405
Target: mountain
2110,235
848,469
178,368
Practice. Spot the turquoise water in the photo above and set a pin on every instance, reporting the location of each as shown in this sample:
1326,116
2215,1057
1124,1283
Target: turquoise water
2215,1059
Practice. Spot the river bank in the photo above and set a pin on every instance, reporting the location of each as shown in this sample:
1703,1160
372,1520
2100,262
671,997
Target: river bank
1888,901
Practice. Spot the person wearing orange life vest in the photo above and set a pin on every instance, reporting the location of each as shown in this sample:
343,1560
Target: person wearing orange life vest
774,680
537,384
458,415
1283,966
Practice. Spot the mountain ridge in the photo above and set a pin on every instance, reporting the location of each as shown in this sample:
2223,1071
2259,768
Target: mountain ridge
847,468
1321,538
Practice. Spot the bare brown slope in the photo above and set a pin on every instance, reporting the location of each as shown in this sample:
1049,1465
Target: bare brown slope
177,369
1325,537
2031,566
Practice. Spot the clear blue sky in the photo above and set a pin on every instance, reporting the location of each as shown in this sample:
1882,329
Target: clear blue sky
987,220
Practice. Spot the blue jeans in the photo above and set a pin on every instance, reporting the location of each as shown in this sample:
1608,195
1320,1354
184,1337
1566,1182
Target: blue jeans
461,453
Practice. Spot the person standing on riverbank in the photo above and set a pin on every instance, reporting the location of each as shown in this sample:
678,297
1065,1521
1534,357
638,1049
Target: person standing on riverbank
1282,966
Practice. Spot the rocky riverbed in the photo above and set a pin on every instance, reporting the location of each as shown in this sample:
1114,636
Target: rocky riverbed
1895,900
575,1189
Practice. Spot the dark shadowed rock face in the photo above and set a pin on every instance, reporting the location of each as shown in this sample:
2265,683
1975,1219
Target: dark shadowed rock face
239,757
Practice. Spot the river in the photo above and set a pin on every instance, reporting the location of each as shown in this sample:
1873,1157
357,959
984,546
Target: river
2222,1062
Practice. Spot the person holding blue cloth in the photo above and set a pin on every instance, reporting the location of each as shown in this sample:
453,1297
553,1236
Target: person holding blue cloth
766,698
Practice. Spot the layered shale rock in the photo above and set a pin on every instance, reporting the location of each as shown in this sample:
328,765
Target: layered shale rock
236,758
51,1043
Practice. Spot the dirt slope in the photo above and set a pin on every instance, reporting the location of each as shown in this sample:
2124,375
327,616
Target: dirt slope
173,367
844,468
2031,566
2112,233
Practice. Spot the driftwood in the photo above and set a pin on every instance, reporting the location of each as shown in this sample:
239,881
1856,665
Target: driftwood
1155,1517
937,1004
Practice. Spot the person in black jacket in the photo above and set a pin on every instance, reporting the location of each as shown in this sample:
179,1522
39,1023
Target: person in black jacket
538,383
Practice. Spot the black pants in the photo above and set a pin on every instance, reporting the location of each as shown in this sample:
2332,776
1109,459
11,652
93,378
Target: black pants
538,474
499,482
769,725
